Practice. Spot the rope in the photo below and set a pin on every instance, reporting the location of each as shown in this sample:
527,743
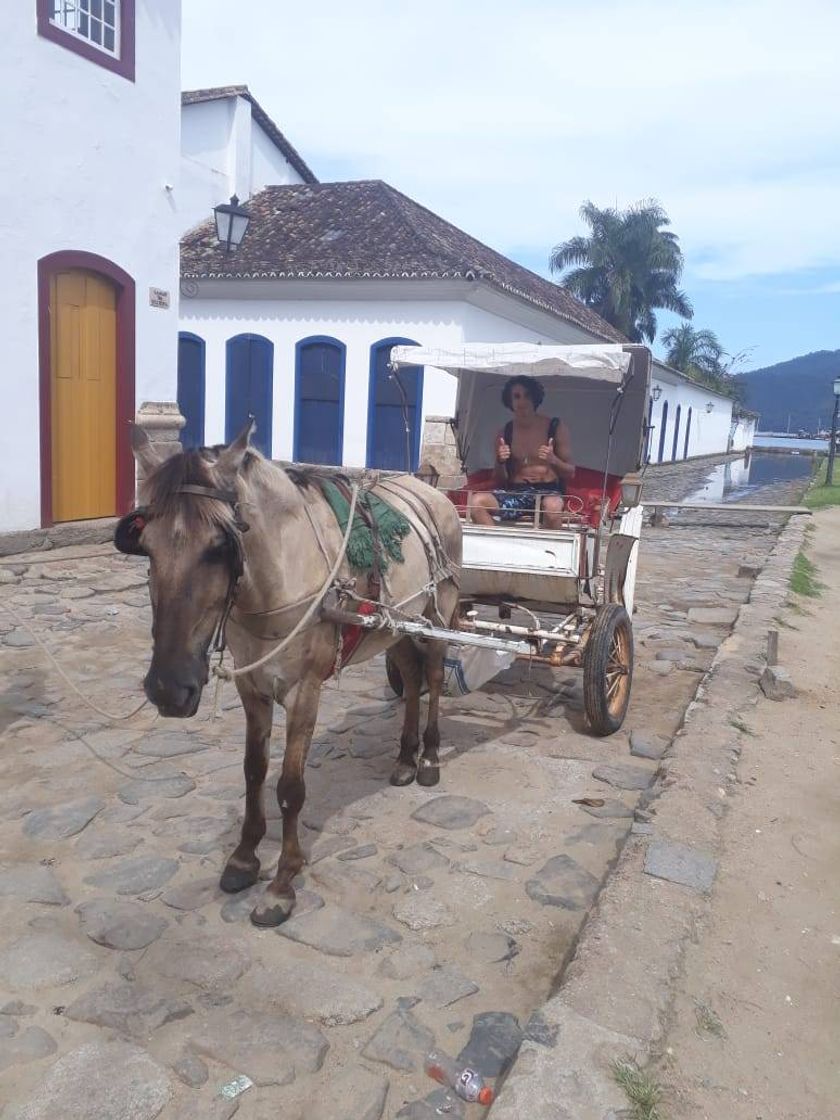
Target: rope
108,715
230,674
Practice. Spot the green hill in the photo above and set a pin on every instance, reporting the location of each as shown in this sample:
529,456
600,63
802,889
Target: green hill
795,394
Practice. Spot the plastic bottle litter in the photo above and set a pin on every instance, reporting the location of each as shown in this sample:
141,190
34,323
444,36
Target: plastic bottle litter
467,1083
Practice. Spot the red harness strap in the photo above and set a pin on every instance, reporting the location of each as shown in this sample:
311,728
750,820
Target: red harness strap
351,639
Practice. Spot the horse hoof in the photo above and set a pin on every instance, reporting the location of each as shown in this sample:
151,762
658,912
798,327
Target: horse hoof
403,774
428,774
274,913
235,879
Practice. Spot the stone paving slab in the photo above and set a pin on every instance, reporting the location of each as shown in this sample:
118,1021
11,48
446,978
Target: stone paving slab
445,914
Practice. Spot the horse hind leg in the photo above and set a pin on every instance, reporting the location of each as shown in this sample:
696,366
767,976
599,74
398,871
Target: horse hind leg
243,868
408,660
428,771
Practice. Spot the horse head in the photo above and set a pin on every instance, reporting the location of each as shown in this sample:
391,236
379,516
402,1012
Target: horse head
189,528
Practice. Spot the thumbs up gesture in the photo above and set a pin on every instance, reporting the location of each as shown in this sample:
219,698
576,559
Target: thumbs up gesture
547,451
502,451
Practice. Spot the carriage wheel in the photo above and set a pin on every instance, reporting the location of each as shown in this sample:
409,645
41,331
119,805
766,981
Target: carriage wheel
608,669
394,675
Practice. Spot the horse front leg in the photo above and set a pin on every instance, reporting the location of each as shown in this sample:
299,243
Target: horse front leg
406,657
243,868
278,901
428,771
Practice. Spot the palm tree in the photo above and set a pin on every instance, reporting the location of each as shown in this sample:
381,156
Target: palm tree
691,351
627,268
701,356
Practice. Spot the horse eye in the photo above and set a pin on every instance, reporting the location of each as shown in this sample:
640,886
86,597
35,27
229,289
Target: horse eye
215,554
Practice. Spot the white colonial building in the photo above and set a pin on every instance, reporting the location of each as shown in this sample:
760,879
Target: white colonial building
90,244
295,325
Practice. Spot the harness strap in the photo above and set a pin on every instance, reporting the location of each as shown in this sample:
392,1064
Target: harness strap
229,496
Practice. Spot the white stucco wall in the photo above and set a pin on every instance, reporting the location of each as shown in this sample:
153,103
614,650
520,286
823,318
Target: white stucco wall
709,432
224,152
743,433
359,325
91,153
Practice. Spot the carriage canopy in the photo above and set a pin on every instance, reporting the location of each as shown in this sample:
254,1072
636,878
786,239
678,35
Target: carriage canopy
581,385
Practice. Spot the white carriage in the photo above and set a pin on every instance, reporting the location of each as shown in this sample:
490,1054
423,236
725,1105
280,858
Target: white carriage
563,596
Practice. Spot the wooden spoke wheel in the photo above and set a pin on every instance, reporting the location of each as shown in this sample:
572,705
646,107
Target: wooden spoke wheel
394,675
608,669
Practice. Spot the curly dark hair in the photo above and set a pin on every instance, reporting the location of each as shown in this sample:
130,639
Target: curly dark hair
531,386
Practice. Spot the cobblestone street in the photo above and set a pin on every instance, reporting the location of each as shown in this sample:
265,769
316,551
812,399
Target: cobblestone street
424,917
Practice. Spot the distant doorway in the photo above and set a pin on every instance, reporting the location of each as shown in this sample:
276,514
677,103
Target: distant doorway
664,423
249,379
319,401
687,434
191,388
676,432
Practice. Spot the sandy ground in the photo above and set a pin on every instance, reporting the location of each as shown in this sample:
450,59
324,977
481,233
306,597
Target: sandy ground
756,1022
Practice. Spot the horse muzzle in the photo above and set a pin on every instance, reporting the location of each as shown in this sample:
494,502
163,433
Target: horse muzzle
175,696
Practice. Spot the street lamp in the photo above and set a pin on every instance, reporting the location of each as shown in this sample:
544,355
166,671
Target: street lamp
231,222
829,474
657,392
710,406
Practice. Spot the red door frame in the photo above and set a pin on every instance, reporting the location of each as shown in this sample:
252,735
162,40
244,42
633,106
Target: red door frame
125,399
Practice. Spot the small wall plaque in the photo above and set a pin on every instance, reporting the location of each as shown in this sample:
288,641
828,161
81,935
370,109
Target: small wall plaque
158,297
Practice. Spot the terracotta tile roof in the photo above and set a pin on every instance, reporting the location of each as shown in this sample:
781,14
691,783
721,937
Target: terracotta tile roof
367,230
194,96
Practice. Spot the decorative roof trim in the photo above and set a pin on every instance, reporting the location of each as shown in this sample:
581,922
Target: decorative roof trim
220,93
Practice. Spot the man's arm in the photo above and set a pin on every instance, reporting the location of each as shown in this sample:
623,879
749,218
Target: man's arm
502,459
558,454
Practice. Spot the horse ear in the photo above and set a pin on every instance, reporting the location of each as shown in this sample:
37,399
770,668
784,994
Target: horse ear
127,533
231,457
144,451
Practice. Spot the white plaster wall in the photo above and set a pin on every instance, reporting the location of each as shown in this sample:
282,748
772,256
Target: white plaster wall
358,324
709,430
85,156
742,437
224,152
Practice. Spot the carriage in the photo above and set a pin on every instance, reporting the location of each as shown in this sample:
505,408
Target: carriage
560,596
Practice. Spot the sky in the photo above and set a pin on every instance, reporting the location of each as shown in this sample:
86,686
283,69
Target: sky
504,117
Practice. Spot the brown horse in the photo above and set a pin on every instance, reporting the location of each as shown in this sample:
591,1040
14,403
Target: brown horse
240,548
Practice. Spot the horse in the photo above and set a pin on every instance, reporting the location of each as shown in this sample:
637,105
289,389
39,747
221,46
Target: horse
239,550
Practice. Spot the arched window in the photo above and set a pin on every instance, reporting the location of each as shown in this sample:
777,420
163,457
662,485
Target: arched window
687,433
249,378
319,400
191,388
394,404
676,432
664,425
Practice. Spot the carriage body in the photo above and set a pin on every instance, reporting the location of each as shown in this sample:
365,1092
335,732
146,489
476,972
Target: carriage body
563,595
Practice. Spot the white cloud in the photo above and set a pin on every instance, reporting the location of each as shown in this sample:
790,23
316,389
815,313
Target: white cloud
504,117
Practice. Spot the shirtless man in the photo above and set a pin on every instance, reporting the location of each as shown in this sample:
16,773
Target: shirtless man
537,460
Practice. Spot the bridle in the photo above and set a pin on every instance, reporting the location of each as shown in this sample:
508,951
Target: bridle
236,567
126,538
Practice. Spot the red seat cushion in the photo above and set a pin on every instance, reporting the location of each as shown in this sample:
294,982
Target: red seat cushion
588,485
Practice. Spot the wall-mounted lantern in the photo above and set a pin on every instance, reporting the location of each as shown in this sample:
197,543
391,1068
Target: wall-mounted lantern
657,392
710,406
231,222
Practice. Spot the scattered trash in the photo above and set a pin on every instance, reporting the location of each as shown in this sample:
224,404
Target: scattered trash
592,802
235,1088
466,1082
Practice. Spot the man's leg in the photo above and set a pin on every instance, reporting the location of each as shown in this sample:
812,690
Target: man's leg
482,507
552,507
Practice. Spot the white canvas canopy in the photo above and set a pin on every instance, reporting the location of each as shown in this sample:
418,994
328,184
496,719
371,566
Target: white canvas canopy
580,384
507,359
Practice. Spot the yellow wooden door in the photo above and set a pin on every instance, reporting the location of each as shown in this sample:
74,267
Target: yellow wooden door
83,382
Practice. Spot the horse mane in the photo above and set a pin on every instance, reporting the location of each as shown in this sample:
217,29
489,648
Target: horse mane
162,490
